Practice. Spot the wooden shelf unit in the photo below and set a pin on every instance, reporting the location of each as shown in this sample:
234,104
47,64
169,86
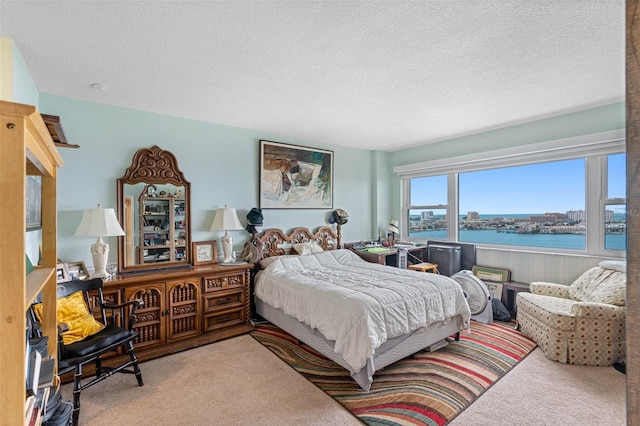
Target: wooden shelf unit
26,148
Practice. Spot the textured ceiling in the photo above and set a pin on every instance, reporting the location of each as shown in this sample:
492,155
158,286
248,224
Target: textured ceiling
378,75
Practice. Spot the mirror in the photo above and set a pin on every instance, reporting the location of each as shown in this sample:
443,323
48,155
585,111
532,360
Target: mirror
154,211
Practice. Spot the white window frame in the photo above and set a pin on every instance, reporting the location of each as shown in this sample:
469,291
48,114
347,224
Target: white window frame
593,147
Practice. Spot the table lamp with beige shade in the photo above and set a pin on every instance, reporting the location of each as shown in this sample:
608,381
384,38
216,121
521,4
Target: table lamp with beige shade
99,223
226,220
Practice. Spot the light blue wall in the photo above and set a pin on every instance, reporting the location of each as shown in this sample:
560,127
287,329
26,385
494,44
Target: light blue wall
381,190
609,117
24,88
221,162
24,91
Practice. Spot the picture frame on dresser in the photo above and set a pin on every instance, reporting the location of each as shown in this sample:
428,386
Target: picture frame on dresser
77,270
295,177
205,252
62,273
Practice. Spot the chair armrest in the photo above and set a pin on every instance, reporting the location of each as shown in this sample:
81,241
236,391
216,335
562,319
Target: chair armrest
62,327
549,289
594,310
136,303
120,309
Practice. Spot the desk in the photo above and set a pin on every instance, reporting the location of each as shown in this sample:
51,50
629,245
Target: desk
389,257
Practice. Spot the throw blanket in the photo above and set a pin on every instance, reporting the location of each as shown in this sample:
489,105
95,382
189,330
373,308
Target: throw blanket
358,304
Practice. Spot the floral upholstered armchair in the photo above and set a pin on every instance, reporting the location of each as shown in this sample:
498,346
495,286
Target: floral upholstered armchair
582,323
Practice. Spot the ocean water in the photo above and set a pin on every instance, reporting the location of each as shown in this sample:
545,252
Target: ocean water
617,217
567,241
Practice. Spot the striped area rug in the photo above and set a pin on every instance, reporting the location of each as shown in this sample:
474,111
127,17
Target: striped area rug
429,389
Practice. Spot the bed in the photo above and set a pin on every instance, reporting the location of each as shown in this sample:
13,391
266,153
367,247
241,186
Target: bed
361,315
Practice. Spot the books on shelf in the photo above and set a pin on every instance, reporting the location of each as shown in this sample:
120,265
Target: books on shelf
33,371
47,370
34,417
28,406
41,378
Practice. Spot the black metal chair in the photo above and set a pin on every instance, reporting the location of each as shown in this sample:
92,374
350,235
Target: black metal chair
117,333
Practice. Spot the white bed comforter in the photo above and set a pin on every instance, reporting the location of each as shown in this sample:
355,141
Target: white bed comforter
358,304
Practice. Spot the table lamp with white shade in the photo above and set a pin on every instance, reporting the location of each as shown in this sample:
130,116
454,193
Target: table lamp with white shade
226,220
393,228
99,223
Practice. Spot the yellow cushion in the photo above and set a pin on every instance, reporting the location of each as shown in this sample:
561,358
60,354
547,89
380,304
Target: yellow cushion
72,310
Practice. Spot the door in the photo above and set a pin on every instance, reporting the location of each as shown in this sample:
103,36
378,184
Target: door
150,319
183,299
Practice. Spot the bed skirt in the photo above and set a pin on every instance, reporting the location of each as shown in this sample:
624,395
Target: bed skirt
431,338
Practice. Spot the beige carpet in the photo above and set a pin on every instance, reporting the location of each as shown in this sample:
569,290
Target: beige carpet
240,382
542,392
232,382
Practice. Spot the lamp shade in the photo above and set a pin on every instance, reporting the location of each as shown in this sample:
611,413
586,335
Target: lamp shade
226,220
393,227
99,223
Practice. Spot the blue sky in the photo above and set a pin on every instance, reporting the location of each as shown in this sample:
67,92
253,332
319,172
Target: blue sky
535,188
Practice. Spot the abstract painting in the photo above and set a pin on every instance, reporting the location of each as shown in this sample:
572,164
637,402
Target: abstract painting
295,177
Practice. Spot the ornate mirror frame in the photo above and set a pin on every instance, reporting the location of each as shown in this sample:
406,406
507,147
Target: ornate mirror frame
150,167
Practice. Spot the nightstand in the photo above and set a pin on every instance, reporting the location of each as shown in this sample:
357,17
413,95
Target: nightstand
510,291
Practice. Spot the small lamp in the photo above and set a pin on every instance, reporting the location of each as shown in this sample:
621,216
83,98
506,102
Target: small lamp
393,228
226,220
99,223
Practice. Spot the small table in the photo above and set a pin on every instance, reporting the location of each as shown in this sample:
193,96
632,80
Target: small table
425,267
510,291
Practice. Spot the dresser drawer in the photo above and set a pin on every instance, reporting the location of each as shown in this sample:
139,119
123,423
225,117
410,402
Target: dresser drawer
227,318
224,299
223,281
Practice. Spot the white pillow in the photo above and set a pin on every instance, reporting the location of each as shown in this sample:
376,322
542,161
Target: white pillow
616,265
307,248
267,261
264,262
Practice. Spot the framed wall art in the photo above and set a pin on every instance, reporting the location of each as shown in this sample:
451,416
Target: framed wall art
34,203
295,177
486,273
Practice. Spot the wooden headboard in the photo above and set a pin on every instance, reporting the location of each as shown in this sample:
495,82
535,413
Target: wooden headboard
275,242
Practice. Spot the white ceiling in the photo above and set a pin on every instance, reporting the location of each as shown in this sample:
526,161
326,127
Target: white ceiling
381,75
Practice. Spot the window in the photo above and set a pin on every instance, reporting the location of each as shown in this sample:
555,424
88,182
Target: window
564,195
428,212
532,205
615,207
